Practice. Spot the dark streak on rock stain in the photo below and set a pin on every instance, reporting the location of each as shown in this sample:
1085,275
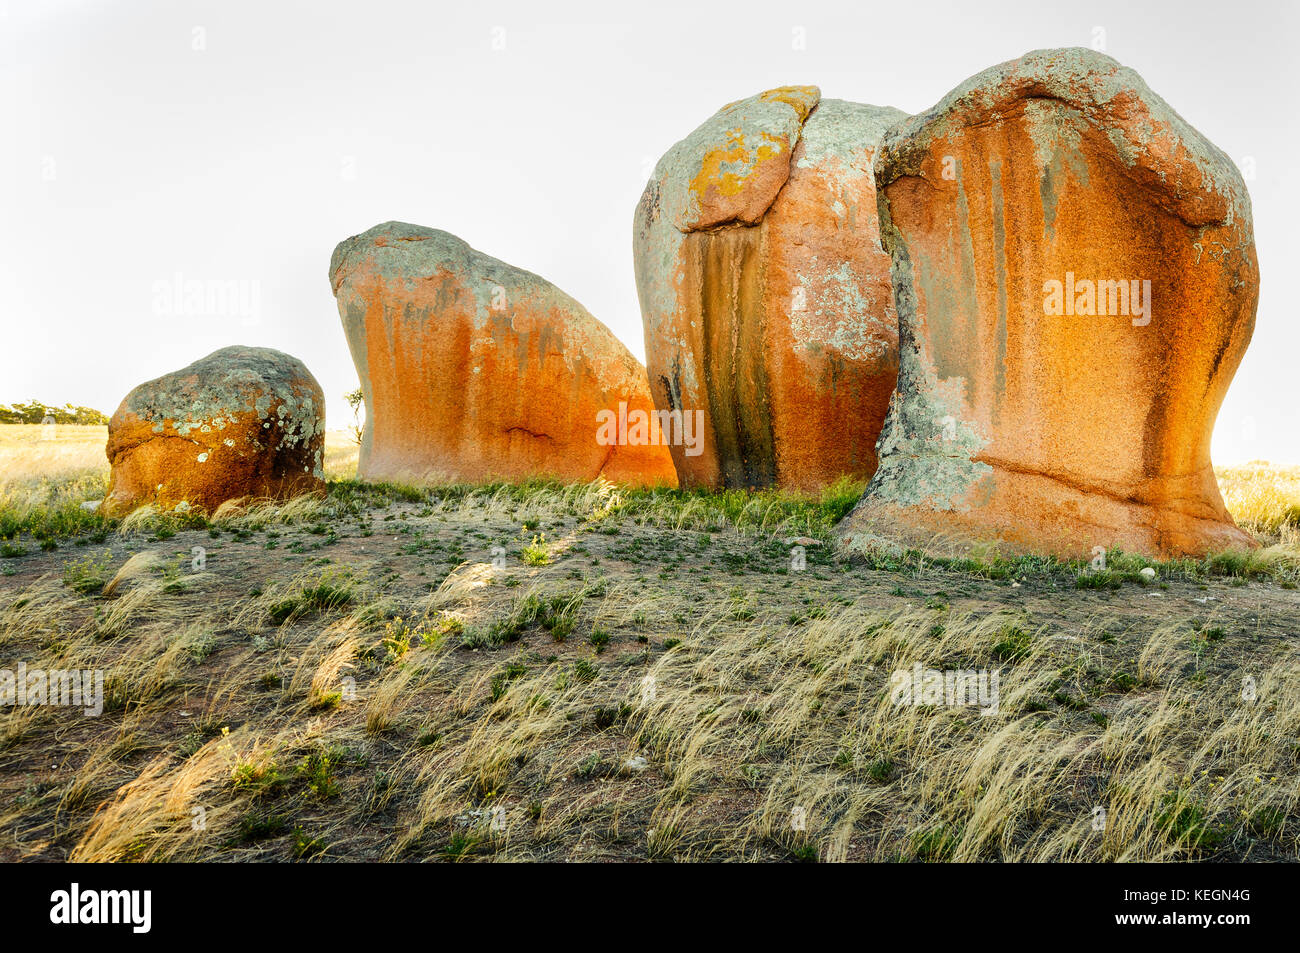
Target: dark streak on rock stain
724,275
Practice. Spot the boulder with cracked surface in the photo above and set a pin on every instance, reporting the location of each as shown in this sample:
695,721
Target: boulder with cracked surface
765,294
241,422
474,370
1076,281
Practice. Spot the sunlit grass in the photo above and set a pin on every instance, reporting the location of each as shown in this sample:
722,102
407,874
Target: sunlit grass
1263,499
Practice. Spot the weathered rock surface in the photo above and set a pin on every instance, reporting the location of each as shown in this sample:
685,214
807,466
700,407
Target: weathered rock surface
1076,281
474,370
241,422
765,293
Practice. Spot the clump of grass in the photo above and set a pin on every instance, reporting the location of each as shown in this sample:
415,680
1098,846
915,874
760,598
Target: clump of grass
560,612
501,680
936,843
1266,821
1013,643
880,770
1099,579
461,845
524,612
329,591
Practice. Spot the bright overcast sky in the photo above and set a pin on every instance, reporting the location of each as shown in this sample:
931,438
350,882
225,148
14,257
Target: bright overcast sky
238,142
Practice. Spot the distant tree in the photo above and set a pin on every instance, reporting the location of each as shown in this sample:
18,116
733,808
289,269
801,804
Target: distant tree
355,400
35,412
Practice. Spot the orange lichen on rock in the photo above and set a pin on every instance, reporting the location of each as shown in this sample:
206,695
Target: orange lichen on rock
474,370
241,422
765,294
1076,281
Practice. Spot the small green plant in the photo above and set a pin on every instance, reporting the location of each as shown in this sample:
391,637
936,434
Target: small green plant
880,770
327,701
559,614
1012,645
500,682
201,646
460,845
1184,821
317,770
805,853
254,827
536,553
599,638
87,575
305,846
933,844
445,628
397,639
257,778
1213,633
1266,821
330,591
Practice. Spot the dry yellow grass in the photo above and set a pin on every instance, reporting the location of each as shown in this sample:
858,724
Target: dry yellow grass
747,728
662,687
1263,499
32,453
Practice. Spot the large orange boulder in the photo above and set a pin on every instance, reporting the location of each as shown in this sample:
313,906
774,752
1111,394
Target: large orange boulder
241,422
1075,273
765,293
474,370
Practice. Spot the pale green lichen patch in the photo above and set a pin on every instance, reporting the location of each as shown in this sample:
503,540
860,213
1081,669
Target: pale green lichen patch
867,543
1056,132
838,313
927,448
927,452
215,391
846,134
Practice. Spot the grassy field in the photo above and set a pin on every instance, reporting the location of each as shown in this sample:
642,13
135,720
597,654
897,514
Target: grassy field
589,673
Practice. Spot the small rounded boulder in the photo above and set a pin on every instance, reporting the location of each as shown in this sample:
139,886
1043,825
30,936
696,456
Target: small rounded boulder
241,422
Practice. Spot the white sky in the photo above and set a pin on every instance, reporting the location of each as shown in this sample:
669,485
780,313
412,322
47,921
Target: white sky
127,156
